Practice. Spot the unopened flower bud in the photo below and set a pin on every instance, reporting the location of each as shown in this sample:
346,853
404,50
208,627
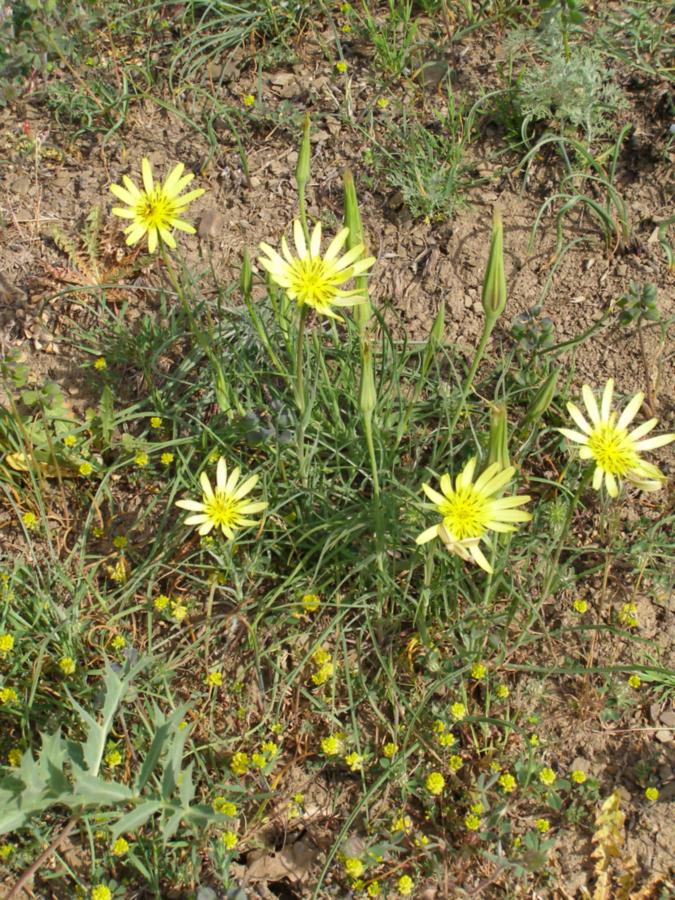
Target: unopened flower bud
498,446
494,284
542,399
246,275
302,168
362,311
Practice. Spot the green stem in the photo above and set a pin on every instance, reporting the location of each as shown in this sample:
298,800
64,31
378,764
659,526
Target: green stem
302,208
368,430
484,338
421,615
299,388
555,559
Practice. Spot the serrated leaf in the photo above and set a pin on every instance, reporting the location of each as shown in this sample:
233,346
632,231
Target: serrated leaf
10,821
115,688
186,788
133,820
163,733
172,764
93,790
170,827
107,413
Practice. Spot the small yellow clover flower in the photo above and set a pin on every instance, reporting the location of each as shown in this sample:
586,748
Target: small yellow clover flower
120,847
224,508
312,279
101,892
607,441
470,509
156,209
435,783
67,665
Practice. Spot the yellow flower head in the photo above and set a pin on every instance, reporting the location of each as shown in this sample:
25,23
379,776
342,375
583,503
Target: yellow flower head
101,892
507,783
547,776
6,643
239,763
472,821
578,776
30,520
223,807
354,761
120,847
229,839
478,671
405,885
14,757
652,794
224,508
310,602
314,280
458,711
354,867
470,509
214,679
333,745
607,441
156,209
390,749
455,763
435,783
113,758
8,695
67,665
542,825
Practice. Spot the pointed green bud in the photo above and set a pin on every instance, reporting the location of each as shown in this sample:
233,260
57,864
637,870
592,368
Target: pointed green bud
304,156
368,394
542,399
498,446
435,338
437,332
494,285
246,275
352,212
362,311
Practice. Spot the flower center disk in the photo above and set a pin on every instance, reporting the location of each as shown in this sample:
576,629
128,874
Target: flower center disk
612,450
465,514
222,510
310,282
155,209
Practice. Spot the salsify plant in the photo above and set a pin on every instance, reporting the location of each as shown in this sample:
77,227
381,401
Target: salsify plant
380,539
